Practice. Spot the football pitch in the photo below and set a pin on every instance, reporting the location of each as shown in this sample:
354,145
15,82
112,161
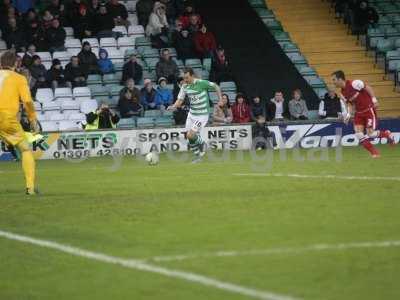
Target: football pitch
239,225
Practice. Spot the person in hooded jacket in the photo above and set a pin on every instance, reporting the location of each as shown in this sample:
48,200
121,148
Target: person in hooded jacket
164,95
55,76
105,64
88,59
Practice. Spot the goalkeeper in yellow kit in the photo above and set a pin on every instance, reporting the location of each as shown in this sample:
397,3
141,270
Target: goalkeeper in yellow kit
14,89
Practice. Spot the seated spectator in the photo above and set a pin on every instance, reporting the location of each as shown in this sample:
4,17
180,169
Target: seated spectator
331,106
88,59
27,59
103,118
205,43
185,16
104,23
164,95
167,67
118,12
176,32
220,70
144,8
73,10
157,28
171,10
262,138
55,76
194,23
185,46
47,19
130,86
129,105
222,111
75,75
55,36
240,110
277,108
298,107
257,109
57,9
364,16
23,6
132,70
83,24
105,64
148,96
14,36
94,7
38,72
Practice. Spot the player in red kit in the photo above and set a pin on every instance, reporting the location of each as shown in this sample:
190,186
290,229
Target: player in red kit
357,94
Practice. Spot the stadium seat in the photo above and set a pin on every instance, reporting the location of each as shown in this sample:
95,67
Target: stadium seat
92,41
63,56
108,43
41,117
306,70
152,113
145,122
193,63
68,125
164,121
116,55
110,79
213,97
119,66
228,86
133,19
121,29
136,30
127,123
78,116
44,95
142,41
63,93
88,106
81,92
51,106
126,42
282,36
73,43
56,116
3,45
131,6
315,81
69,31
38,106
48,126
207,64
74,51
99,90
115,90
152,63
70,105
150,53
44,56
296,58
94,79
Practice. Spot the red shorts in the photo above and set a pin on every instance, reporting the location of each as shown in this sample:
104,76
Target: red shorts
368,119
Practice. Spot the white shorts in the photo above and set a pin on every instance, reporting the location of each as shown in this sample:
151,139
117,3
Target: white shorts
196,123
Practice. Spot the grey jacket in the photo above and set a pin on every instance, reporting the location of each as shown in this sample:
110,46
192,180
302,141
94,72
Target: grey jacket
298,108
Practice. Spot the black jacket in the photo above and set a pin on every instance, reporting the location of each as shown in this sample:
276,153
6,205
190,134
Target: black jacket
56,37
144,8
82,24
55,75
129,108
103,22
72,72
132,70
88,61
271,109
185,47
117,10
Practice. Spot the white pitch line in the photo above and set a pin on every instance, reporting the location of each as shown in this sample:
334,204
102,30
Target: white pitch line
340,177
287,250
142,266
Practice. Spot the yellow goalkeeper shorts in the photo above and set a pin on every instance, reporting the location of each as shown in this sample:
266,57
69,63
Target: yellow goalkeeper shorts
10,129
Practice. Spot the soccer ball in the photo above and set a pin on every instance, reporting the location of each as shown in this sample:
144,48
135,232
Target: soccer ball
152,158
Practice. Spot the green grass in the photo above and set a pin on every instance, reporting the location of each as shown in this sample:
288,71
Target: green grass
138,211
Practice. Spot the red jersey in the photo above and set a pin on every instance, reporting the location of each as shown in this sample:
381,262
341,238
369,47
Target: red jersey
363,102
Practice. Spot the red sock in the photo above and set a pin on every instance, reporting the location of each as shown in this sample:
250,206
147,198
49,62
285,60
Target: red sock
368,146
384,134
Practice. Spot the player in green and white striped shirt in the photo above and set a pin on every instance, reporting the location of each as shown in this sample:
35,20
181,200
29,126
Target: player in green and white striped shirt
197,92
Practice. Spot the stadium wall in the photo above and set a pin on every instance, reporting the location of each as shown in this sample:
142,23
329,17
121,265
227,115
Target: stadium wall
81,145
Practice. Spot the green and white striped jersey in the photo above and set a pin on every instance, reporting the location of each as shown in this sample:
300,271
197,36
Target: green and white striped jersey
197,93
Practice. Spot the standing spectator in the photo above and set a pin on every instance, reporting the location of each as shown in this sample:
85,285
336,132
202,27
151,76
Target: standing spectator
364,16
129,105
185,46
22,6
220,70
157,28
240,110
118,12
205,43
257,109
103,118
132,70
105,64
104,23
27,59
144,8
130,85
277,108
222,111
56,36
74,73
167,67
14,36
164,95
298,107
83,24
88,59
331,106
38,72
55,76
148,96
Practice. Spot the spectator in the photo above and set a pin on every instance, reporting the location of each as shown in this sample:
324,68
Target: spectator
277,108
364,16
35,34
118,12
88,59
130,85
222,111
104,23
164,95
103,118
55,36
167,67
185,46
74,73
30,16
73,10
194,23
94,7
55,76
157,28
171,10
148,96
57,9
220,70
144,8
185,17
205,43
298,107
331,106
180,115
257,109
47,19
14,36
129,105
240,110
132,70
22,6
38,72
176,32
27,60
261,135
83,24
105,64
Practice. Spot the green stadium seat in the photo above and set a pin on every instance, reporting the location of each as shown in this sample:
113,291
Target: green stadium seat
144,122
127,123
257,3
306,70
119,66
142,41
282,36
115,89
94,79
320,92
273,24
99,90
150,75
228,86
152,63
152,113
193,63
110,79
207,64
151,53
313,115
296,58
164,121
